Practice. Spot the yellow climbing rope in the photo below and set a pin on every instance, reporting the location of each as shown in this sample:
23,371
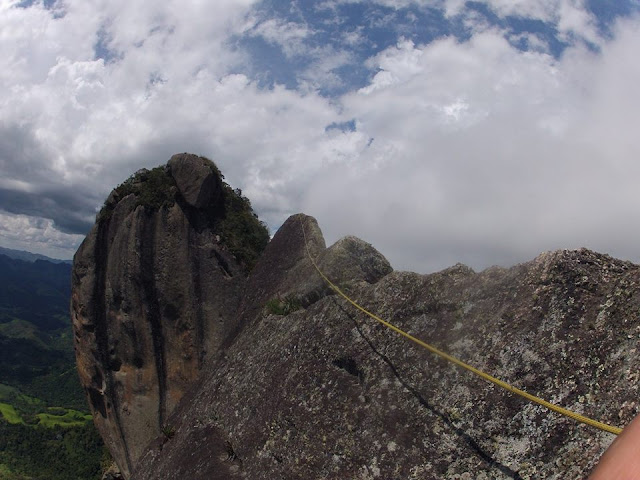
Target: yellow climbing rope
562,411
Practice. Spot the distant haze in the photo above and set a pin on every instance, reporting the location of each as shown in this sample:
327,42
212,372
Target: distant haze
28,256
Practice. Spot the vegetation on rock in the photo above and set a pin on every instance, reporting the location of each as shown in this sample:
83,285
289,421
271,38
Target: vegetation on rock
283,306
168,431
236,222
241,230
152,188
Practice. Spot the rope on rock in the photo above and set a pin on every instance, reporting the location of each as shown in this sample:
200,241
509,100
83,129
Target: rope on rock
532,398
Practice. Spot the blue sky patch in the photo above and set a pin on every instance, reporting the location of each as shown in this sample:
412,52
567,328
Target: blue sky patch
364,29
348,126
101,47
29,3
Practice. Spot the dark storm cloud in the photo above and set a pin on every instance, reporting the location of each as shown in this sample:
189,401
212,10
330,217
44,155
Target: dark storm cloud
71,212
30,185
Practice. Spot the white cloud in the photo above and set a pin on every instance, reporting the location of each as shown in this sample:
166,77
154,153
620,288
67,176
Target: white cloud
321,72
531,42
354,38
486,154
463,151
289,36
574,20
37,235
570,17
398,4
295,40
544,10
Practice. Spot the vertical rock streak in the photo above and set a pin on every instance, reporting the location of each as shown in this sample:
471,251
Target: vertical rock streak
194,263
150,295
102,338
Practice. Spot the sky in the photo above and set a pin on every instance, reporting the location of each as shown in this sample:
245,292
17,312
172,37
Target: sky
440,131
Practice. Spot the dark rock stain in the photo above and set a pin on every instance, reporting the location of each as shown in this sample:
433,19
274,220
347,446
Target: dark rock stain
152,304
350,366
194,260
99,393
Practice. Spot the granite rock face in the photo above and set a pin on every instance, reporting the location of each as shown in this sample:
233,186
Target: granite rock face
327,393
193,373
154,294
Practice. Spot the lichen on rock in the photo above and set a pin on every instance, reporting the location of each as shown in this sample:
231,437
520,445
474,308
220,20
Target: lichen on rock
326,392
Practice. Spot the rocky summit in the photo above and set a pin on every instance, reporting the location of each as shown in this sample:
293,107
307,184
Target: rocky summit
156,287
205,355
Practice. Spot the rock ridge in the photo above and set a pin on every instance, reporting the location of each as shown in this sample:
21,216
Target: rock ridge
325,393
271,375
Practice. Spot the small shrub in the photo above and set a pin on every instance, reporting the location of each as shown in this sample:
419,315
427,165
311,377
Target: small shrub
155,191
283,306
168,431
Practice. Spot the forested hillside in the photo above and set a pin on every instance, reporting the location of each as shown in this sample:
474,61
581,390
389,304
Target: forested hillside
45,429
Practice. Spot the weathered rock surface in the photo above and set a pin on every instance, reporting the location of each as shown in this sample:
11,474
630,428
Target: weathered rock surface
154,294
326,393
197,182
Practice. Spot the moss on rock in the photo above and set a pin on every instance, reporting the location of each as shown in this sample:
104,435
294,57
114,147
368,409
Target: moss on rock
231,213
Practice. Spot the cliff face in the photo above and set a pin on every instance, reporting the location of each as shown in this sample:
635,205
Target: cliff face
154,293
307,387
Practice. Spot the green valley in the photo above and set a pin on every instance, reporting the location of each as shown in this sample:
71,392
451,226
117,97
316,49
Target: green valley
9,413
46,431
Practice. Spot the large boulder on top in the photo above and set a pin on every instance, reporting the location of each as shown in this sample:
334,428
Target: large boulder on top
197,182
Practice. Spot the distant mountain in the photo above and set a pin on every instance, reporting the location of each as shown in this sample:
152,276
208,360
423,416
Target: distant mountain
28,256
36,344
36,291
